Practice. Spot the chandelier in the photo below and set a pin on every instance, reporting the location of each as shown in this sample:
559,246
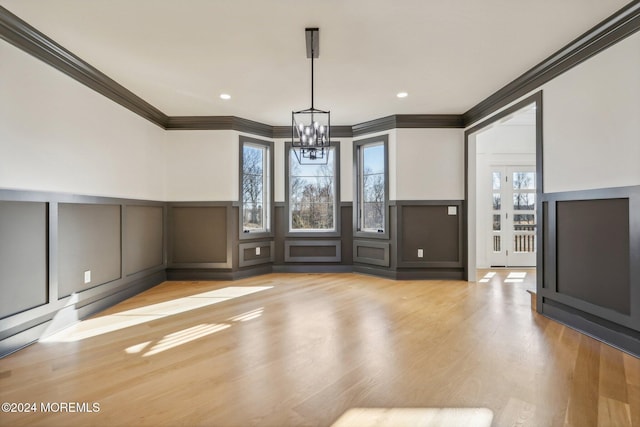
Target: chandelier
310,128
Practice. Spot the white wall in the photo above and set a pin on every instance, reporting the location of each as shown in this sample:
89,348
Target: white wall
428,164
592,122
58,135
202,165
346,169
279,162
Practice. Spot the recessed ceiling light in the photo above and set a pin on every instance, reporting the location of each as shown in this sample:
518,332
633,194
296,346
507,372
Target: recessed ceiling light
402,94
225,96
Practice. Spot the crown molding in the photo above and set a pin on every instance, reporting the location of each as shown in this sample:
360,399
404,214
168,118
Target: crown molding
415,121
429,121
25,37
376,125
218,123
608,32
199,123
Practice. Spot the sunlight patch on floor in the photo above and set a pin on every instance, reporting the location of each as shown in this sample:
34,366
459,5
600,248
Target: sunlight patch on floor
487,277
193,333
515,277
186,335
415,417
253,314
137,316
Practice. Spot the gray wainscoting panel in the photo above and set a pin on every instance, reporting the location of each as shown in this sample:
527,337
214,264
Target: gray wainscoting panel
88,239
312,250
593,252
592,263
47,242
144,237
433,228
199,235
23,256
372,252
346,230
248,256
545,244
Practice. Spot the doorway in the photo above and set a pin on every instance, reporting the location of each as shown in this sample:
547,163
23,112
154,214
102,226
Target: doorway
503,157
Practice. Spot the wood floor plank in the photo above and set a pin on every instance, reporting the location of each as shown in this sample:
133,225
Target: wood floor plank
612,383
613,413
582,409
632,369
306,348
634,404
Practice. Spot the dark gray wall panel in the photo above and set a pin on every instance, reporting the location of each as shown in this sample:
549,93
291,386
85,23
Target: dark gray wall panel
346,229
23,256
280,218
372,252
247,253
144,237
297,251
88,239
312,250
431,229
199,234
593,251
250,253
544,266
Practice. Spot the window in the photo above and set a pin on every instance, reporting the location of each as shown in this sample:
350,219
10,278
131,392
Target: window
256,185
372,194
312,193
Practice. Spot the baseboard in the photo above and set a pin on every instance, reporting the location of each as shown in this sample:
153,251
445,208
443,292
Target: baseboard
22,339
431,274
617,336
306,268
373,271
411,274
191,274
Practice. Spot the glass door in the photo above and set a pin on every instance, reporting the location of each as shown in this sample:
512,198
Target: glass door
513,216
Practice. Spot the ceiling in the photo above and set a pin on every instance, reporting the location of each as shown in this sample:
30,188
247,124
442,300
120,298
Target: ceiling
181,55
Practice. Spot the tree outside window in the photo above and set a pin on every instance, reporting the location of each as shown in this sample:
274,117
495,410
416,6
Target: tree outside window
255,187
312,194
371,187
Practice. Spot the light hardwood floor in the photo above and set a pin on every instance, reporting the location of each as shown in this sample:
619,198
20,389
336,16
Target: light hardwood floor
302,349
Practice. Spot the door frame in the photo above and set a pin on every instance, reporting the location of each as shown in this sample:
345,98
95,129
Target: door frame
469,218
